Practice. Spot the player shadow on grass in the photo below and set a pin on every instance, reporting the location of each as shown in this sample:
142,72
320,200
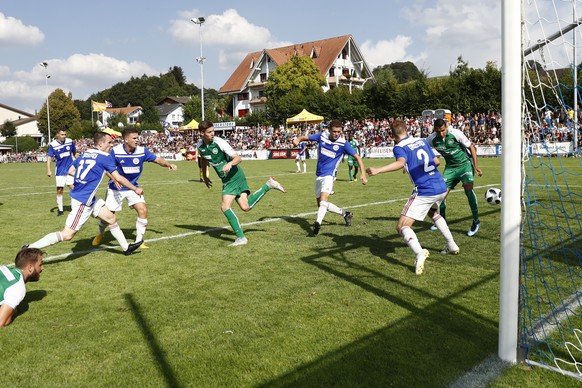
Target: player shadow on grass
84,247
220,233
31,297
66,208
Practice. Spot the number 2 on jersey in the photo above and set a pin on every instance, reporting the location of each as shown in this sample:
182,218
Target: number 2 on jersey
423,155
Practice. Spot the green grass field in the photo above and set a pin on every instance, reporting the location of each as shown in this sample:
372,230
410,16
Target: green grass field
341,309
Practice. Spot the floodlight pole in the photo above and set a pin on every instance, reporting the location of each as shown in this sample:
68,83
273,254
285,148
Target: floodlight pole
200,60
48,112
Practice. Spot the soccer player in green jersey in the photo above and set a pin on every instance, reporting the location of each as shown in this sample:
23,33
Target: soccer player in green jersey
216,152
352,162
452,144
28,266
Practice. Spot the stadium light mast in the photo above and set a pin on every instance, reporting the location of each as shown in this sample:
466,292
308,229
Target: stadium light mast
48,112
200,60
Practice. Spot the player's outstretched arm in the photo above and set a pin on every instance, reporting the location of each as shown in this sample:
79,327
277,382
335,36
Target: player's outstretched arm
363,177
394,166
164,163
124,182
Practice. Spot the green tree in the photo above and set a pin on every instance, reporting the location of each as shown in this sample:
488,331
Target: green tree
293,86
22,143
8,129
381,96
63,113
193,109
150,119
338,103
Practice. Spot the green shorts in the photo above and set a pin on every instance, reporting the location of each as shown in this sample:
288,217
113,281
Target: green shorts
352,161
236,184
454,175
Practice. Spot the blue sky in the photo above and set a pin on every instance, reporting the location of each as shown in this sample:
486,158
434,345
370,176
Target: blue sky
90,46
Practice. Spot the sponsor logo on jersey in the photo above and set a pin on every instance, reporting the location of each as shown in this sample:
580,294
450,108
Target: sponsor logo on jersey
328,153
131,170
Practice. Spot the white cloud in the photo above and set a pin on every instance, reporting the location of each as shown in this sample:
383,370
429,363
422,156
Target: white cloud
92,72
386,51
451,29
14,33
226,30
230,34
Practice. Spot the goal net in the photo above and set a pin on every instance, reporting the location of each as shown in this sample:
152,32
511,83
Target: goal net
550,290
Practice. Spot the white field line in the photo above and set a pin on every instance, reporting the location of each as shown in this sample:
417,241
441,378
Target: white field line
226,227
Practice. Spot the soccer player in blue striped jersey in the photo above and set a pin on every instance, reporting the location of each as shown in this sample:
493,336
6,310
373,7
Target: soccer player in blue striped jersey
63,150
89,170
129,158
418,159
332,147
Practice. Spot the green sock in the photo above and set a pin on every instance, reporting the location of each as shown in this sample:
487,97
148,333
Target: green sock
443,209
473,204
255,197
234,224
350,171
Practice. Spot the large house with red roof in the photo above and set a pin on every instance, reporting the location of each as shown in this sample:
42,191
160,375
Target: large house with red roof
339,60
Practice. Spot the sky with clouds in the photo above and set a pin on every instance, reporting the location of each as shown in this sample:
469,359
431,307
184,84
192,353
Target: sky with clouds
90,46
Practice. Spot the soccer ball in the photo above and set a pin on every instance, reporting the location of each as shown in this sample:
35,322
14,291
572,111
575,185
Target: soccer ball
493,196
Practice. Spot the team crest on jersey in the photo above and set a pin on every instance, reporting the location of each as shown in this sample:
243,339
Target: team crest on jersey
335,147
135,161
214,151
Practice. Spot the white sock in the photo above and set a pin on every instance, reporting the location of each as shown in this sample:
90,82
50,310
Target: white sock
321,211
304,167
443,227
60,202
410,239
334,209
119,236
49,239
298,167
140,228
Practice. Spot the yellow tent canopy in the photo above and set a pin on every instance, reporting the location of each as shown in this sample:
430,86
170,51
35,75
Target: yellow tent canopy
112,132
305,117
191,125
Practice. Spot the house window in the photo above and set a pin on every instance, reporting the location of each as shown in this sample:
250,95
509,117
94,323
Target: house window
263,77
345,71
243,96
344,54
261,93
242,112
332,72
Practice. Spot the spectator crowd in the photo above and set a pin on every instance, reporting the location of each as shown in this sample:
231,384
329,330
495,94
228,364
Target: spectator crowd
481,128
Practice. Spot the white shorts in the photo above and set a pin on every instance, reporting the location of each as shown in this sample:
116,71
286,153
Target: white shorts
115,199
80,213
323,184
65,180
300,157
418,206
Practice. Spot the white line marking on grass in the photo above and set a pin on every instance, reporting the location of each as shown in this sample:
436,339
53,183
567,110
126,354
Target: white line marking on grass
226,227
482,374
